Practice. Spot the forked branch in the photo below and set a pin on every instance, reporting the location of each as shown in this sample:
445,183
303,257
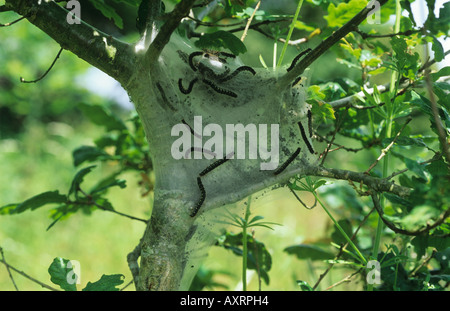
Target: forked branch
326,44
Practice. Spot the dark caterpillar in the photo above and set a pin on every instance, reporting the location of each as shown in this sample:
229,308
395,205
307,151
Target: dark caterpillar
218,89
213,166
163,96
191,59
295,60
287,162
302,130
238,70
309,123
189,89
202,197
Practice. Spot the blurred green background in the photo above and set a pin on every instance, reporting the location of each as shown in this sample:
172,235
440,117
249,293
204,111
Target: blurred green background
40,126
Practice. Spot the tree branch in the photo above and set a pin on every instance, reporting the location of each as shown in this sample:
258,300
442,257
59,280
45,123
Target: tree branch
103,51
393,227
174,18
325,45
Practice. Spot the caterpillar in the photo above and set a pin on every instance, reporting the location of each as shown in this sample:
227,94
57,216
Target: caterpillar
287,162
218,89
295,60
213,166
191,59
302,130
309,122
163,96
202,197
242,68
297,81
189,89
227,54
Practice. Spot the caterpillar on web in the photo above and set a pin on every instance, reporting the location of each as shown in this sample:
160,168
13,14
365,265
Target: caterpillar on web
295,60
302,130
189,89
287,162
202,197
218,89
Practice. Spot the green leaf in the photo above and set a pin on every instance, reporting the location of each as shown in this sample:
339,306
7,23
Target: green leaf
106,283
438,50
309,251
441,73
108,182
338,16
100,116
304,286
108,11
33,203
79,177
88,154
62,274
221,39
415,167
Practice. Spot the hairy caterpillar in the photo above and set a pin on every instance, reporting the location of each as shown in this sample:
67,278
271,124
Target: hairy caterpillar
302,130
295,60
218,89
287,162
202,197
189,89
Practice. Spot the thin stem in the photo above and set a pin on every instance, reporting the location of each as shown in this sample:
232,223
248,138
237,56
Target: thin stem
250,21
244,245
349,241
27,276
45,73
7,268
392,91
291,30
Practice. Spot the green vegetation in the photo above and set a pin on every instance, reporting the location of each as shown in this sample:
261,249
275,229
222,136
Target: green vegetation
77,179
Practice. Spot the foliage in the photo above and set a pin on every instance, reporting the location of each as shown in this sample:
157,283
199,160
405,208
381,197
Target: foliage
395,113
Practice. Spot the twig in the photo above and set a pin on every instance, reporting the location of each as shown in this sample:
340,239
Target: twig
13,22
386,150
327,149
301,202
132,259
343,247
48,70
437,120
401,33
92,202
7,268
350,100
347,279
129,283
390,225
321,138
425,262
174,18
290,76
436,157
27,276
250,21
